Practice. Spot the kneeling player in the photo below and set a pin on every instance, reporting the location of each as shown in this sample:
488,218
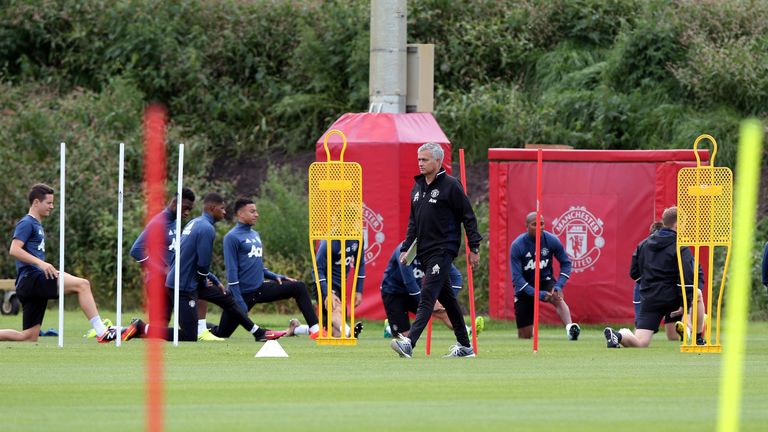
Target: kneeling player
401,292
350,250
522,257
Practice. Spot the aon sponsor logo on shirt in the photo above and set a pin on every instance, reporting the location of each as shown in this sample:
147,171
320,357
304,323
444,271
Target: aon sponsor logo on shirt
530,266
255,252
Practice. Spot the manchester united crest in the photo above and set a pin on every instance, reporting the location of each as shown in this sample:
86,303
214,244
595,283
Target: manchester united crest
582,234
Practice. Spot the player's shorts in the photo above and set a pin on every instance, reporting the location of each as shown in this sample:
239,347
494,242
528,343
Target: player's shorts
397,307
524,305
34,291
650,315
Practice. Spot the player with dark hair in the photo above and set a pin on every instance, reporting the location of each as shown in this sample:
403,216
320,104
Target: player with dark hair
251,283
38,281
401,292
656,266
167,218
350,253
522,257
438,209
196,251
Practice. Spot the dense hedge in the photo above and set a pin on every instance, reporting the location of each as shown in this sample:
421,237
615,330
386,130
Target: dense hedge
244,79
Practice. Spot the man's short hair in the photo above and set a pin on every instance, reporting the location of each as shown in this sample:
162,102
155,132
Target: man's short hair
655,227
669,217
434,148
213,198
187,194
38,192
531,217
242,202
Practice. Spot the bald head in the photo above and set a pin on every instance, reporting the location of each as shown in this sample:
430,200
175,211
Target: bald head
530,223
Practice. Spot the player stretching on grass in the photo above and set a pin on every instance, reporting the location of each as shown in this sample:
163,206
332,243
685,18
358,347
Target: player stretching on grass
38,281
401,292
167,219
522,256
246,274
196,251
657,268
438,209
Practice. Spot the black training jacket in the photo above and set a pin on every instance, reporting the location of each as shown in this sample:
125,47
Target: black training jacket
655,264
437,212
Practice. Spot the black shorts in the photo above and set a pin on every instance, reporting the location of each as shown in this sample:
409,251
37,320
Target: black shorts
397,307
34,291
650,315
524,305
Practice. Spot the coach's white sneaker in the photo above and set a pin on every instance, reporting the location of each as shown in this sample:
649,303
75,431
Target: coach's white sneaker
460,350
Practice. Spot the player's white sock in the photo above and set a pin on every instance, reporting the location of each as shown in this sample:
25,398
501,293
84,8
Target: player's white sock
346,329
301,330
255,327
568,328
98,326
201,326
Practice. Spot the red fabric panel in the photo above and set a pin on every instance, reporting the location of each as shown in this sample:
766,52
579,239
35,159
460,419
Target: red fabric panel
583,203
497,199
613,156
385,145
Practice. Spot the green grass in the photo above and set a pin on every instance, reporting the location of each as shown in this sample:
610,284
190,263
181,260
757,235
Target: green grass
573,386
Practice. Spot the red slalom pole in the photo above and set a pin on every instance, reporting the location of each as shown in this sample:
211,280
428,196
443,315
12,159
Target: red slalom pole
537,264
469,267
154,195
428,345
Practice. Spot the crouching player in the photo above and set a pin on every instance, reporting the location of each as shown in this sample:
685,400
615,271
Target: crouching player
401,292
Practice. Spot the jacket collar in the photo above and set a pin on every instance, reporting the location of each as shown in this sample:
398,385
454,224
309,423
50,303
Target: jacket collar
440,174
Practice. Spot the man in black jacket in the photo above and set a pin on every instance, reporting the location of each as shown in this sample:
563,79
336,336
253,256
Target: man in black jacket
657,268
438,208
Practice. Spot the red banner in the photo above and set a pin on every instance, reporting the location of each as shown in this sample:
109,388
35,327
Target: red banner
598,203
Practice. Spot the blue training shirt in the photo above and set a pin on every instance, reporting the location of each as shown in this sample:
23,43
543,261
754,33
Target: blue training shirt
168,221
350,251
243,258
196,253
765,265
522,255
407,279
30,231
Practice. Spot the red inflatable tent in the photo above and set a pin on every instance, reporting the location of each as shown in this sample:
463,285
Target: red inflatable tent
599,203
385,145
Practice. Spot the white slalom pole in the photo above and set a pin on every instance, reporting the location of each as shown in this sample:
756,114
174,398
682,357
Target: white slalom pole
62,176
119,306
177,251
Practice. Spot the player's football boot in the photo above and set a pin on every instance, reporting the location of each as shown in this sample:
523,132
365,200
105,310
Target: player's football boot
207,336
358,328
479,324
134,329
387,330
573,332
109,336
263,335
92,333
402,346
460,350
612,338
680,329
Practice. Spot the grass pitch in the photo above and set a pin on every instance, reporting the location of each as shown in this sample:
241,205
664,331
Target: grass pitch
573,386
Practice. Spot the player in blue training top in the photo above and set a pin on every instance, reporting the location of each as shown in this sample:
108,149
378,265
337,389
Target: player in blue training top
522,256
38,281
401,293
251,283
196,251
765,268
350,251
167,218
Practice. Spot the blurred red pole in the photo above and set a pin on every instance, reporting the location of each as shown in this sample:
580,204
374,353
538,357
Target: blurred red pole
154,195
469,267
537,265
428,345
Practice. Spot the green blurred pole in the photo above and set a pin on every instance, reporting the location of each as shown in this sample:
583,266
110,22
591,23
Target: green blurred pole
747,184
